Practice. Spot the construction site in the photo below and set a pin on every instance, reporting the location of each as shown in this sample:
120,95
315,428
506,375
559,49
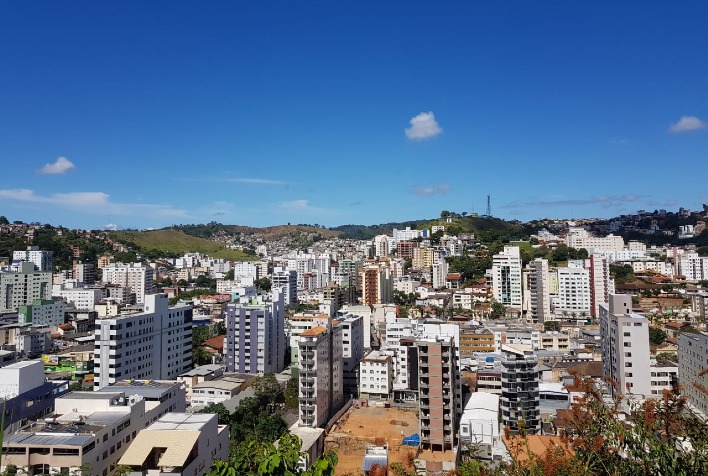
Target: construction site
362,426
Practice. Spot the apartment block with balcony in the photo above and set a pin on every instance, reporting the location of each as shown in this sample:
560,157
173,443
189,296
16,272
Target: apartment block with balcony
520,397
154,344
693,368
625,347
24,286
321,382
352,351
255,336
438,380
475,339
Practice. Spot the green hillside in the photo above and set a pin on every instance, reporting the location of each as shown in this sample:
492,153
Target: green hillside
177,242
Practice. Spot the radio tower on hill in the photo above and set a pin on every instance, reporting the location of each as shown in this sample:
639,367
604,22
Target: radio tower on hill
489,206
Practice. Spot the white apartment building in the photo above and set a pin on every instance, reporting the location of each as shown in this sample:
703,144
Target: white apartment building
601,282
352,351
215,391
376,376
555,341
579,238
693,362
42,260
321,387
539,291
287,281
255,336
81,298
693,266
573,292
137,277
664,376
647,264
405,284
397,329
625,347
366,317
188,444
440,270
246,268
506,277
462,300
381,246
23,287
154,344
406,235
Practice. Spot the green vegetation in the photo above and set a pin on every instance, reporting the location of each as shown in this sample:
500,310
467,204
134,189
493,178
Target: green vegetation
498,310
264,284
255,425
656,336
550,326
622,273
659,437
471,266
172,242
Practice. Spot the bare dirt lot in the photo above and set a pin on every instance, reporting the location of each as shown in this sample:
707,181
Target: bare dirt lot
368,426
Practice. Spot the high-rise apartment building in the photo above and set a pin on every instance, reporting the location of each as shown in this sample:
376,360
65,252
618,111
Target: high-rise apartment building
137,277
153,344
438,381
573,292
376,284
625,347
352,351
539,291
440,269
286,280
24,286
693,266
520,398
601,282
255,336
320,368
84,273
693,369
42,260
506,277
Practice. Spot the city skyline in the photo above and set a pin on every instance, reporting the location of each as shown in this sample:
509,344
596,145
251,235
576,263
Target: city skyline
247,114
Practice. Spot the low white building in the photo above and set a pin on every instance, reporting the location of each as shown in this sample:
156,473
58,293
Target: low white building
178,444
479,425
376,375
215,391
664,376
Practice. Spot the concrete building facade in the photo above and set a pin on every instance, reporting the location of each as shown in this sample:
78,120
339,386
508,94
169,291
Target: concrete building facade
154,344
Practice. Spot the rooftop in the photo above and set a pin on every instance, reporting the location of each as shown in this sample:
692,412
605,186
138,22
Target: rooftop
314,332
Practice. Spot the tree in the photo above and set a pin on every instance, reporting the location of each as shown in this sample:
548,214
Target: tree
444,214
549,326
200,356
498,310
229,276
292,390
266,389
259,458
220,410
4,220
656,336
264,284
668,356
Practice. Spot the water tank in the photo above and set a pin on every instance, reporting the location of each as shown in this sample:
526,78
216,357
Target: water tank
489,359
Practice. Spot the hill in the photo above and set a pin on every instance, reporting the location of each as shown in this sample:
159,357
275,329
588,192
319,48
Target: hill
215,230
177,242
488,229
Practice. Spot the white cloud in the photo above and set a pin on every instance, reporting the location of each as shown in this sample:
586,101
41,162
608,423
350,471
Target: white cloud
687,124
90,202
61,166
255,180
423,126
440,189
298,205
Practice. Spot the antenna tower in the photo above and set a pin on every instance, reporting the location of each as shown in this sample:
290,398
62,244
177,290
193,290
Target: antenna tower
489,205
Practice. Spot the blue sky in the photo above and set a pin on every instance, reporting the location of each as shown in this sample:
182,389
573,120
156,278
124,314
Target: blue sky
263,113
